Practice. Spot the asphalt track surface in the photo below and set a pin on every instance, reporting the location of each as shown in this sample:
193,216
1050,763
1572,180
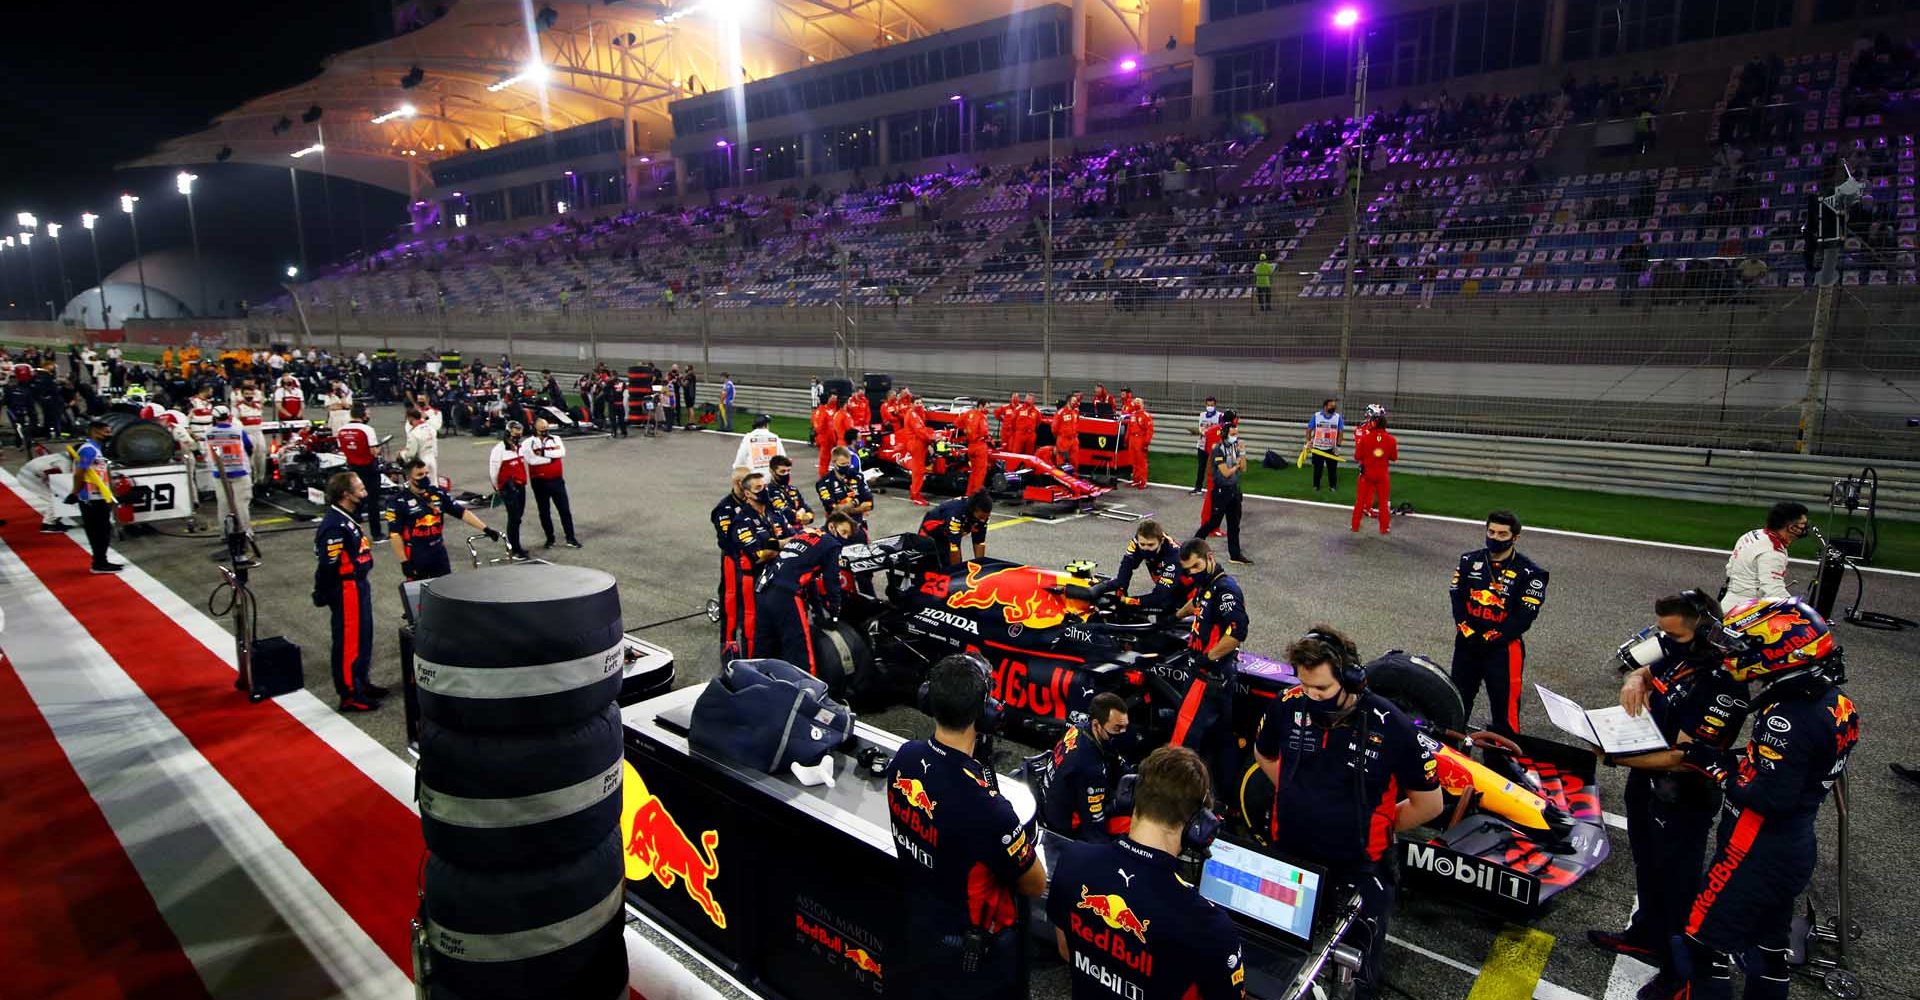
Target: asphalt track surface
641,510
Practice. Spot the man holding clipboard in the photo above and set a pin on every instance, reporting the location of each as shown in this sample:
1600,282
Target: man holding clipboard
1673,681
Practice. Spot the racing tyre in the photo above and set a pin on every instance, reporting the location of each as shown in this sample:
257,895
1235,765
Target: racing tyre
841,654
997,481
530,650
1419,687
137,442
554,931
497,801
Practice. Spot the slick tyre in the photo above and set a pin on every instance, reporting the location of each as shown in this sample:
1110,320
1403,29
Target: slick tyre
1419,687
494,801
553,931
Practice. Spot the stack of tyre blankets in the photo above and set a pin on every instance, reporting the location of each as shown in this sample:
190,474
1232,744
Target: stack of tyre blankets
519,785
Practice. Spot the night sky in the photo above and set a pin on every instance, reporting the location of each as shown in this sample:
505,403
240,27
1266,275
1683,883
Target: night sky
92,84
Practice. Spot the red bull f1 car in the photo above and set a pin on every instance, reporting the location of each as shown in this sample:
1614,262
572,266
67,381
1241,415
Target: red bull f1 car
1524,823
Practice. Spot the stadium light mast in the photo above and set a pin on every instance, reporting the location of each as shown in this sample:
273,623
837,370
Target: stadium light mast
87,219
6,277
66,290
299,227
1348,19
127,201
33,274
1046,255
183,182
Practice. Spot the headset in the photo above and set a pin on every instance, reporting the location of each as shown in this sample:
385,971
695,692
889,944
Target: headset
1196,835
990,707
1346,660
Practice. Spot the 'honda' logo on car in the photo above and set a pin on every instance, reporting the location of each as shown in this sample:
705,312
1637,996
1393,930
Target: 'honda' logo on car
1470,871
949,619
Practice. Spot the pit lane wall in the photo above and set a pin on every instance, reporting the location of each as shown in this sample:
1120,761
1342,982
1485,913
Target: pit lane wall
1702,372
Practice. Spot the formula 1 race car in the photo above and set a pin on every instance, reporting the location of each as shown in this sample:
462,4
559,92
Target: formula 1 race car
1014,478
1525,820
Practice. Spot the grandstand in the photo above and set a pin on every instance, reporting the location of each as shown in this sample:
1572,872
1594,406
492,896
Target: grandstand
1601,197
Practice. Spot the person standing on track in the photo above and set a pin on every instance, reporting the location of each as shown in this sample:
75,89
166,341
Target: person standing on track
962,516
507,471
250,408
1496,594
345,559
787,501
913,439
758,447
859,411
1227,462
842,491
1375,450
1008,417
727,392
808,565
359,445
1207,429
973,428
1066,431
94,491
1139,436
416,520
1325,429
422,443
826,432
546,457
230,451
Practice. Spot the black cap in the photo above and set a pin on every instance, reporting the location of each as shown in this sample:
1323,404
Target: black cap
761,421
96,423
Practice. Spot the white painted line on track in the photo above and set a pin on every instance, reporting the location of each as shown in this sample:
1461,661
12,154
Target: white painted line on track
1543,990
1626,978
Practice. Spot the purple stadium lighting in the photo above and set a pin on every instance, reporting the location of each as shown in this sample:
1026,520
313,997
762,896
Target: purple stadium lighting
1346,18
721,143
1129,64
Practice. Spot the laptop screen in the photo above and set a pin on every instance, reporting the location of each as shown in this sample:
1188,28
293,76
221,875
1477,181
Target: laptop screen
1275,893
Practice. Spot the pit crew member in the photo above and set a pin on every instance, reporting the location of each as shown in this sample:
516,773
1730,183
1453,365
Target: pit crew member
944,525
964,854
1757,570
842,491
1804,727
1671,807
973,428
546,470
1086,768
1139,436
359,445
1123,918
416,520
345,559
1206,428
1496,593
758,447
1219,627
745,535
1152,550
808,565
789,502
1349,773
507,471
1376,450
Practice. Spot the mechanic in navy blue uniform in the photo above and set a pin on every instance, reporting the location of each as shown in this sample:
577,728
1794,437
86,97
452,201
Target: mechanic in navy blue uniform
1349,772
842,490
746,544
808,567
1204,719
788,502
946,524
965,855
1125,921
1075,795
1496,595
1149,549
1804,727
344,557
1670,807
416,520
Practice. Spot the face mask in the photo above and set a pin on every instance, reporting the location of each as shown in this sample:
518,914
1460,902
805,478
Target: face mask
782,478
1330,706
420,485
1498,544
763,495
1233,439
844,470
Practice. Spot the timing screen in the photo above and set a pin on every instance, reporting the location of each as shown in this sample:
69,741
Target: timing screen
1264,888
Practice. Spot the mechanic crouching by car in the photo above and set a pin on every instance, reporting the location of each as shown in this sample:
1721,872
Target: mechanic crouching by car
944,525
1152,550
1496,595
808,565
1086,767
416,520
1341,758
964,853
1671,807
1125,921
1804,726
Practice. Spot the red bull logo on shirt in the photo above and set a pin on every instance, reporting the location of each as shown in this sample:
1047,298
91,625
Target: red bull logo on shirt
1114,911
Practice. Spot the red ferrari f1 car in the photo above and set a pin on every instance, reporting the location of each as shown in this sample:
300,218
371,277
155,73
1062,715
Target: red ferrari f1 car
1525,821
1014,477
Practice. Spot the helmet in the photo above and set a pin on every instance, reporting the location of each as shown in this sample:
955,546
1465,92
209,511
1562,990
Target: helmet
1779,638
23,372
1376,412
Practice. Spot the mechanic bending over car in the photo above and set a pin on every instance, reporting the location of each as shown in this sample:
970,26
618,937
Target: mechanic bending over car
1671,807
1804,726
1150,548
964,853
1340,758
789,502
1123,919
1086,767
966,515
808,565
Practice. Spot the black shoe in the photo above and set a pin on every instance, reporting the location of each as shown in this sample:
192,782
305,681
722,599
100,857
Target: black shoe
549,543
1196,491
1241,559
520,555
54,528
358,705
1620,944
1906,771
573,543
375,692
112,567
